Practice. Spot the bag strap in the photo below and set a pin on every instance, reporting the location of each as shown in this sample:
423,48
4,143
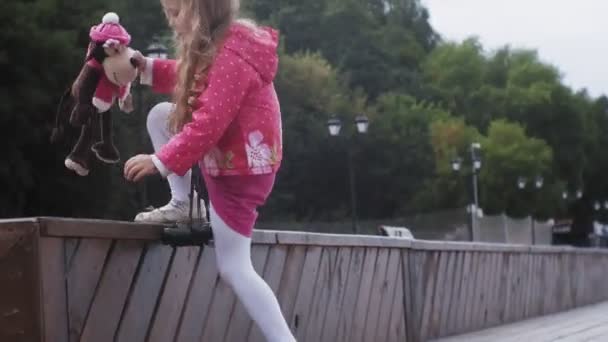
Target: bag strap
197,233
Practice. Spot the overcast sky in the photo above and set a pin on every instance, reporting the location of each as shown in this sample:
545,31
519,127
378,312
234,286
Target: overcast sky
572,35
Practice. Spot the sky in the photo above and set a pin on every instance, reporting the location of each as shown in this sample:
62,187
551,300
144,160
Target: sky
572,35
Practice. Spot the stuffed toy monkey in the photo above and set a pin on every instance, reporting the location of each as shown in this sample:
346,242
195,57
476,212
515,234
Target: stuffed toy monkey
105,77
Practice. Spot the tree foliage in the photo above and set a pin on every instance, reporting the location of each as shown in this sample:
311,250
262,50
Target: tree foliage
427,100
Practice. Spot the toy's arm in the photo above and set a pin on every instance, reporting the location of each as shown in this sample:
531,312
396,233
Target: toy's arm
160,74
83,90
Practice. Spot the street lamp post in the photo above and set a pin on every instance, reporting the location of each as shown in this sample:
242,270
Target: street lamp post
334,125
474,149
157,50
539,181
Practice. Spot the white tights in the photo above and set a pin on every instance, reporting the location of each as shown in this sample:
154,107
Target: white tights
232,250
158,129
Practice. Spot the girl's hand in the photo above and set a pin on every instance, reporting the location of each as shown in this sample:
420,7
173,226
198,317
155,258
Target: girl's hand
139,167
139,61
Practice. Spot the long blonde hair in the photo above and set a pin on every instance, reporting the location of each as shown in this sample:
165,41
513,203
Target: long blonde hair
199,27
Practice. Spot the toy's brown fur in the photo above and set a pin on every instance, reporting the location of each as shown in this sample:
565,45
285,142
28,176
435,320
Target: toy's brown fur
84,115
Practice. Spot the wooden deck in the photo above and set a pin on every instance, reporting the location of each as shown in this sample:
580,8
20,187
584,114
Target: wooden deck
67,280
589,324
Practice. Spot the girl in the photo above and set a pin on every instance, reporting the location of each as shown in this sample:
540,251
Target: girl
226,117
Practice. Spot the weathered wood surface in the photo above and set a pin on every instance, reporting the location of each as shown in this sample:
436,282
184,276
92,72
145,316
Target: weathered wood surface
89,280
19,275
583,324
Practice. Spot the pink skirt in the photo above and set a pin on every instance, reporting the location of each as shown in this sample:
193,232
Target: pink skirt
236,198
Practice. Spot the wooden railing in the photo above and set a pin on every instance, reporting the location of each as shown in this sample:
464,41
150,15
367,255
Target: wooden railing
84,280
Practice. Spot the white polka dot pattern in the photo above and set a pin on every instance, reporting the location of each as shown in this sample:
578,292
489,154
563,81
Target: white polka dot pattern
239,100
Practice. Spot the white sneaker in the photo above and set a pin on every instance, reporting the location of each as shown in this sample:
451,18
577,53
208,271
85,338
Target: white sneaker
173,212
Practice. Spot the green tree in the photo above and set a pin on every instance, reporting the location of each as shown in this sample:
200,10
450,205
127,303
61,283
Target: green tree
309,184
508,153
41,55
377,45
398,160
451,139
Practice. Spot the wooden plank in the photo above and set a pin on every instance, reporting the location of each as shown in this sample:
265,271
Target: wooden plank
514,287
396,331
222,303
462,299
529,286
438,297
564,284
29,284
546,274
576,281
388,296
538,286
471,292
316,315
355,273
71,247
525,287
66,227
240,321
575,325
272,273
306,292
495,304
585,286
357,325
18,222
567,282
336,240
53,290
98,229
376,295
559,283
430,271
337,286
491,306
196,306
530,297
479,289
533,329
406,272
460,308
111,294
82,281
290,281
590,285
451,283
541,283
452,318
166,318
574,277
418,288
555,283
506,317
490,286
518,294
471,246
144,295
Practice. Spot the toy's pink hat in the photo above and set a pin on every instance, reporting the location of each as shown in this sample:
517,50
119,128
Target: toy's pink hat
110,28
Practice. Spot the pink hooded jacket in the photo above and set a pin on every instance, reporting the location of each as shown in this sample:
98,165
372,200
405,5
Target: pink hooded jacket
236,122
